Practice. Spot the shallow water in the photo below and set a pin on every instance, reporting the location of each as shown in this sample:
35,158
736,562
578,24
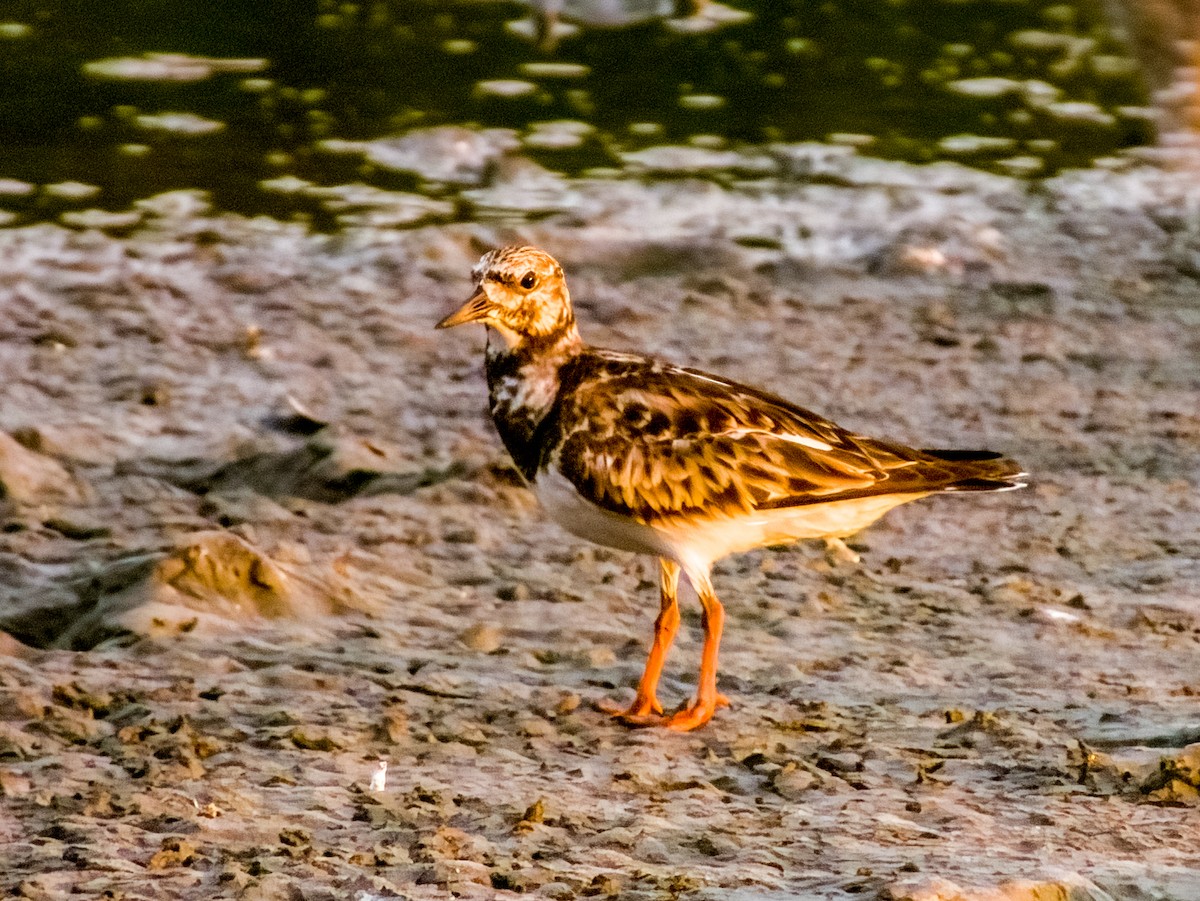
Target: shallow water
266,90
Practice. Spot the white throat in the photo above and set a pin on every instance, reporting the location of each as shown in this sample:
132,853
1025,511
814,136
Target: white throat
511,338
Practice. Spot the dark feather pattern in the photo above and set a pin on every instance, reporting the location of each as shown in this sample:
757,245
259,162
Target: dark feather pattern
653,441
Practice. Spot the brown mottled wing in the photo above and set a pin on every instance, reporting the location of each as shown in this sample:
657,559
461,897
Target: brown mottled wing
653,441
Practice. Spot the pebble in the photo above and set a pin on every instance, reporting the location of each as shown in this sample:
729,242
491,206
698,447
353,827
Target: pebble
536,727
793,781
482,637
518,591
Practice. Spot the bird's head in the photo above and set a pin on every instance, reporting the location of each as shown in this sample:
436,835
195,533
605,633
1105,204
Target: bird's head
522,294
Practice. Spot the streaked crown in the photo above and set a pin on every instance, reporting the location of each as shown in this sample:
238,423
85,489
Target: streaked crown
520,292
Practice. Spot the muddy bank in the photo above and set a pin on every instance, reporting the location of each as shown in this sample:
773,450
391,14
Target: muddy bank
259,528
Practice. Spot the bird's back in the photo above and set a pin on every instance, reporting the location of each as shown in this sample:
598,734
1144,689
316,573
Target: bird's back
653,441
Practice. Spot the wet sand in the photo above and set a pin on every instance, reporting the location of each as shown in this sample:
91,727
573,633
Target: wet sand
258,525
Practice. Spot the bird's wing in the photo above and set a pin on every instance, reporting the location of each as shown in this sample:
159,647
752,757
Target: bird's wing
653,441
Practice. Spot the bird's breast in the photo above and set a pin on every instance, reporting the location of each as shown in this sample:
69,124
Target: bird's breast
520,398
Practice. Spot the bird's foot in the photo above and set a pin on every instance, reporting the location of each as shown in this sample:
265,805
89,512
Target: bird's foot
695,714
648,712
644,711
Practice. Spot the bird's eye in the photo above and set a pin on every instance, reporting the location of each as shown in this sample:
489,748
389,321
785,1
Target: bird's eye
528,280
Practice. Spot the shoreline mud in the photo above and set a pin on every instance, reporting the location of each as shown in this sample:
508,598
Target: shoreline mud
257,523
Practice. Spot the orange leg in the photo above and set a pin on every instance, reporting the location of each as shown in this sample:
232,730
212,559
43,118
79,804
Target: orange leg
707,698
645,708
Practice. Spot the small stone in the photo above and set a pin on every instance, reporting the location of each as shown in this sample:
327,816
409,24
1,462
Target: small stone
840,763
27,477
311,740
569,704
601,655
536,727
454,873
175,852
793,781
516,592
603,884
482,637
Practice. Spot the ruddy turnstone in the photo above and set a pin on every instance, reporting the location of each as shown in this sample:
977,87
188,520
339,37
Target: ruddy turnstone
640,455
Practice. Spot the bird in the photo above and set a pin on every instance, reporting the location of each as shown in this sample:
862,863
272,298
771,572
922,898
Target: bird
641,455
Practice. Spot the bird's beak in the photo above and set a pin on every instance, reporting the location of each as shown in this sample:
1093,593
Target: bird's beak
476,308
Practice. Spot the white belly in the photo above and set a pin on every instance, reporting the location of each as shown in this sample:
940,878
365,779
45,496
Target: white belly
697,543
702,542
581,517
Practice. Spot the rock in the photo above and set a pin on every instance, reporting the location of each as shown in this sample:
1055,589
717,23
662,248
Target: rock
482,637
208,578
1069,888
32,479
1177,778
793,782
453,875
175,852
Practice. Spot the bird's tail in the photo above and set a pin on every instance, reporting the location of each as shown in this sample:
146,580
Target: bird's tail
979,470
